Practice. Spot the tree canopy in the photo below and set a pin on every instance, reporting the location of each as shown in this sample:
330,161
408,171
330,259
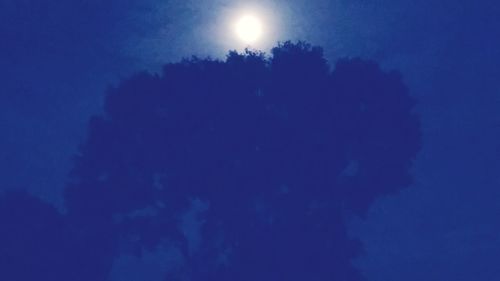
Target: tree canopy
247,166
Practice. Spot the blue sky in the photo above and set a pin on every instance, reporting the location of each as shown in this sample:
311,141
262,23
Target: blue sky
59,57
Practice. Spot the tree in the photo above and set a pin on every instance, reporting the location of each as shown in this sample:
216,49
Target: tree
32,245
247,165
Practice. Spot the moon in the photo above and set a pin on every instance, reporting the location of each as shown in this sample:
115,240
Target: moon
249,29
258,26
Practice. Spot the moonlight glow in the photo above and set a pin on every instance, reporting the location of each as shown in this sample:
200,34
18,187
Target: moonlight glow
249,29
256,26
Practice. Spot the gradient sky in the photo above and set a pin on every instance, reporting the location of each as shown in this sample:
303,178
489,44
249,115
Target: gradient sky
58,57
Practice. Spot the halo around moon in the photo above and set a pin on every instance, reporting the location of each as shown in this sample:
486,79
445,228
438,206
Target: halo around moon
249,29
253,26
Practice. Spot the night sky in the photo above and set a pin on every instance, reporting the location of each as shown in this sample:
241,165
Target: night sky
57,58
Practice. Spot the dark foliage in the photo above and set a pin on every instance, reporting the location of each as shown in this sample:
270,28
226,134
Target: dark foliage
276,150
31,239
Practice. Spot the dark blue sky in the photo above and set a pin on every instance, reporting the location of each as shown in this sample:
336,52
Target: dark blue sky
58,57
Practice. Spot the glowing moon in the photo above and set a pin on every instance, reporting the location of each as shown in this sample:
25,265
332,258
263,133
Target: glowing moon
249,29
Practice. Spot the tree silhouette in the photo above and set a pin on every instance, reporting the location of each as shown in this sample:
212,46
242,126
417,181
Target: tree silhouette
32,240
37,242
248,166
